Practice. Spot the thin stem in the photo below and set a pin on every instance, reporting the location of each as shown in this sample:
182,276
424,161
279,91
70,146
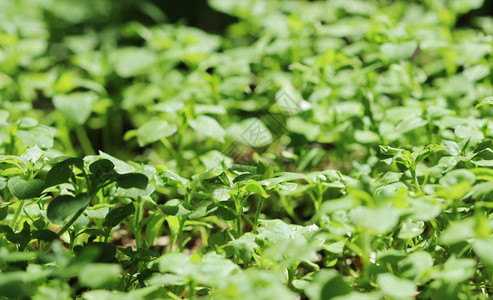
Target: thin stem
366,253
289,209
107,235
138,218
247,219
191,290
291,273
40,246
74,218
11,145
17,214
170,148
415,180
238,215
39,170
179,239
172,240
84,141
72,241
257,213
64,134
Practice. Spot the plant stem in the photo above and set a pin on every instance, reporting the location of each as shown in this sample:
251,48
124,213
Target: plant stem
366,247
72,241
415,180
179,239
257,213
84,141
170,148
107,235
191,292
74,218
172,240
289,210
238,216
17,213
138,218
65,134
291,273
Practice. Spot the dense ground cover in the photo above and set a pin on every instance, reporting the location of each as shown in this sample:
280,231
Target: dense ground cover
321,150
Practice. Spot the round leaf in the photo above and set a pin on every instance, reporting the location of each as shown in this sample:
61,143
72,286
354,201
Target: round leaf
396,287
59,173
101,166
44,235
76,106
65,206
153,131
132,180
23,189
208,127
100,275
254,187
117,215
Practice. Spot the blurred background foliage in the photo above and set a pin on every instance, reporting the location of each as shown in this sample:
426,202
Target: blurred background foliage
121,63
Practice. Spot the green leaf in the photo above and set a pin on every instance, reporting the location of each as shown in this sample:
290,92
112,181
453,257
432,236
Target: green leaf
59,173
101,166
410,229
22,238
153,131
380,220
484,248
76,106
31,155
218,239
485,101
208,127
482,174
417,264
429,149
175,207
458,232
132,180
224,213
251,132
463,6
456,270
132,61
100,275
410,123
121,167
39,223
4,211
455,177
366,136
117,215
210,269
153,228
254,283
63,207
94,232
97,252
396,287
327,284
254,187
41,136
44,235
23,189
178,263
300,126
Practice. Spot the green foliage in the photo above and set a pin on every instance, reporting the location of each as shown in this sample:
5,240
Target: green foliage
310,149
